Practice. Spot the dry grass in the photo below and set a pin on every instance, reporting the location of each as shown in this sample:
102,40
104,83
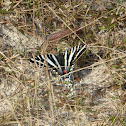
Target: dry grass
29,97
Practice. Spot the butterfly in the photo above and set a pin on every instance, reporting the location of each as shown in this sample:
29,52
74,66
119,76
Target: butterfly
63,62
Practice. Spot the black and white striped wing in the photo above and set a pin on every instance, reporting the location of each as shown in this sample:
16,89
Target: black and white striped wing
73,54
50,59
38,59
63,62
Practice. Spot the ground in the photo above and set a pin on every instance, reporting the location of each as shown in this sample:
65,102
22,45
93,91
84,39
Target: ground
30,96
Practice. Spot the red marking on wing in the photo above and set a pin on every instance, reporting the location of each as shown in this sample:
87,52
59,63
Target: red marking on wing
64,72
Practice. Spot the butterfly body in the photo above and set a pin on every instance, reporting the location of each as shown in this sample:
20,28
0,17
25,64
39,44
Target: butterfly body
63,62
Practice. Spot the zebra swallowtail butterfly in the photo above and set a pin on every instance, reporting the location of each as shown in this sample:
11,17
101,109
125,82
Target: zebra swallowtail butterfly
63,62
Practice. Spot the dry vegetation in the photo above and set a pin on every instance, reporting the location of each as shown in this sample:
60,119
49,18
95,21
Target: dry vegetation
29,97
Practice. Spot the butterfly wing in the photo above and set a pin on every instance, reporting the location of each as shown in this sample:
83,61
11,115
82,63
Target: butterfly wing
73,55
50,59
39,60
68,59
79,51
